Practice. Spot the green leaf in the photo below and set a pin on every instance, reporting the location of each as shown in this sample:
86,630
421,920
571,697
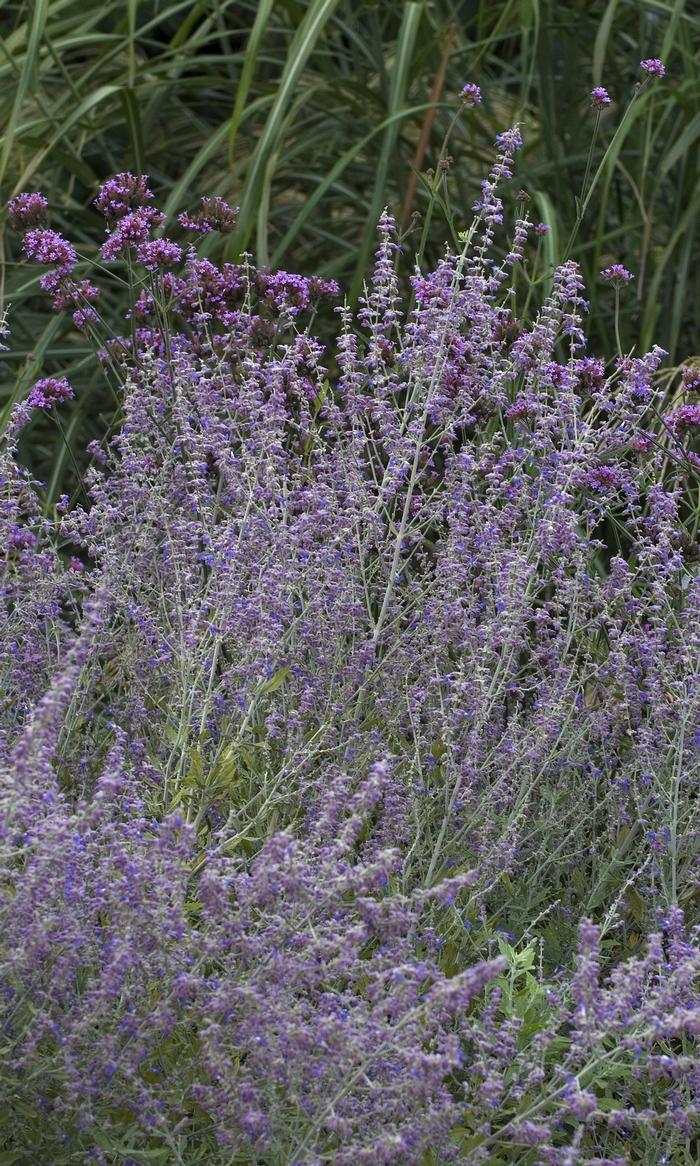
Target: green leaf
86,106
132,116
317,15
40,12
307,211
600,46
609,1104
467,1141
550,242
132,9
400,80
275,682
262,15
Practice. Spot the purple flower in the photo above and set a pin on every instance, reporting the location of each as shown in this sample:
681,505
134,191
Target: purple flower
323,288
510,140
599,97
603,478
490,207
471,93
292,293
28,210
616,274
50,391
20,538
82,317
397,595
121,194
684,418
653,66
159,253
690,378
69,294
53,281
132,228
215,215
47,246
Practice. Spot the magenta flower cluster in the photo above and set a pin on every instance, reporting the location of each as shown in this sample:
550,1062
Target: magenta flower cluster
687,417
653,67
50,391
471,93
214,215
350,778
47,247
121,195
617,273
28,210
599,97
158,253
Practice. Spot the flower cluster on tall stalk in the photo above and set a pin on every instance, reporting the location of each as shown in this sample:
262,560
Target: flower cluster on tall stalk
349,722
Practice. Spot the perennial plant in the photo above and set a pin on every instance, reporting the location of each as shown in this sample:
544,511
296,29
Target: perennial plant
349,722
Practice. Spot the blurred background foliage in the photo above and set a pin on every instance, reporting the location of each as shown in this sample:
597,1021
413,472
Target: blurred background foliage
312,115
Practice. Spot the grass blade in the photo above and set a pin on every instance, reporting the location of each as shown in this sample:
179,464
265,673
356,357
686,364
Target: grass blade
399,85
40,10
249,62
305,38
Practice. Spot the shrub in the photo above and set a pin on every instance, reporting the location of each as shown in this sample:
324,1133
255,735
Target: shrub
325,685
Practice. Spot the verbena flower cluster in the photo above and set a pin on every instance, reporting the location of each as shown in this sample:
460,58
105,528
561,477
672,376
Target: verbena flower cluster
50,391
350,723
599,97
617,273
471,93
653,67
